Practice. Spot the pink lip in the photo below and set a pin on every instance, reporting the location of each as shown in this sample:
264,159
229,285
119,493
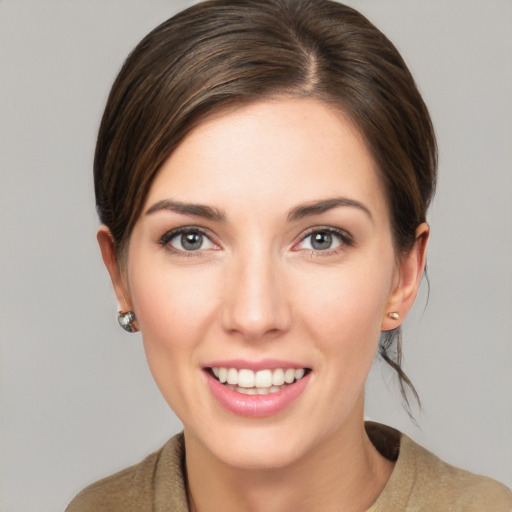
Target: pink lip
256,406
264,364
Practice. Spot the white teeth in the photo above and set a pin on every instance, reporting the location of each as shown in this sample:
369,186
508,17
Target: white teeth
246,391
261,382
232,376
289,375
246,378
278,377
263,379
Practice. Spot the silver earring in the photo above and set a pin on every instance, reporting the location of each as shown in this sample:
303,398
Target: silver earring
393,315
126,320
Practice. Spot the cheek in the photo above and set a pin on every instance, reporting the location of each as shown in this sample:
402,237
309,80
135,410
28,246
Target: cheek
171,302
345,320
174,308
344,307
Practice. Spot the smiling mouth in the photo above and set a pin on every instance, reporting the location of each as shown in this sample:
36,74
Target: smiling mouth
261,382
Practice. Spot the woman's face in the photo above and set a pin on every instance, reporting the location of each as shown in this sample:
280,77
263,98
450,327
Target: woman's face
264,251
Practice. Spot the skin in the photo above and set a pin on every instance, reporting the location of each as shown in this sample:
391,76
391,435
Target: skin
257,289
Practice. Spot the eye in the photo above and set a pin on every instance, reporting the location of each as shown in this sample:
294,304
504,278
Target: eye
189,239
325,239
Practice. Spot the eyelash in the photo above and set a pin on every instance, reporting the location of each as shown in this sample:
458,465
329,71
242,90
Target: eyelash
165,240
345,239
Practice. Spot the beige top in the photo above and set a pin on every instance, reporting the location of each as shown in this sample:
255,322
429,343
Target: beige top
419,482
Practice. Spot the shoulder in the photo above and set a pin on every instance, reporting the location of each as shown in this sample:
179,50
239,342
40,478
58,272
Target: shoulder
452,486
421,481
139,487
443,485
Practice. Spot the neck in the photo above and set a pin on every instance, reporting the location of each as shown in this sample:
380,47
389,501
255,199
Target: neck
344,472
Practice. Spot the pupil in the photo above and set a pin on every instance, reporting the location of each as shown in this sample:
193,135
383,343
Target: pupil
321,241
191,241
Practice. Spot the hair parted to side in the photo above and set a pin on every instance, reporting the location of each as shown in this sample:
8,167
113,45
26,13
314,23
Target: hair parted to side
220,54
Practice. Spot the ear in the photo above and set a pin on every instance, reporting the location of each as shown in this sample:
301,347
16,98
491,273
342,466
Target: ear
410,271
106,243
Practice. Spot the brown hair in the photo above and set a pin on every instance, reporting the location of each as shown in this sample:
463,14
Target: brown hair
221,53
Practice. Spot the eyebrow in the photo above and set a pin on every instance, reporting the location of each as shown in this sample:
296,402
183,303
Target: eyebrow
197,210
322,206
297,213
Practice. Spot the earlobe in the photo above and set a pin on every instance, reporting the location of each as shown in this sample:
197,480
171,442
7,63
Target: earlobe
410,272
106,243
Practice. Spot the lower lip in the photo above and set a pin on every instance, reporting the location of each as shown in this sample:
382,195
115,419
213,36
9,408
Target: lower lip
256,406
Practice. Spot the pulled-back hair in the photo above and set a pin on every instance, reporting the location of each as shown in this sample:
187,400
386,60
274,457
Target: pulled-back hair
222,53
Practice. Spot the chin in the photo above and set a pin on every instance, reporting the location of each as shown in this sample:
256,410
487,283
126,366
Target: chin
261,447
258,457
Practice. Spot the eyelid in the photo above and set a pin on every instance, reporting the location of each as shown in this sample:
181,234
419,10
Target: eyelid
166,238
346,239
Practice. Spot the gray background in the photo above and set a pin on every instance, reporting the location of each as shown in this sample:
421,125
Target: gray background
77,399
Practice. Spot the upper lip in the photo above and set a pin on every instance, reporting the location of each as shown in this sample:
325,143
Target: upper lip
263,364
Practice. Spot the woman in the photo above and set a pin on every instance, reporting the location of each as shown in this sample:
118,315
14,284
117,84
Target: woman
263,172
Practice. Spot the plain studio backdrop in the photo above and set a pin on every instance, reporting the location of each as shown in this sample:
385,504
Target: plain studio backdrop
77,399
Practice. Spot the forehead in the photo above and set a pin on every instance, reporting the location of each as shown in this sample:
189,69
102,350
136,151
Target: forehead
281,151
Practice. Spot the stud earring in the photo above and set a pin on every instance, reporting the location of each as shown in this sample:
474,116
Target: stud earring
393,315
126,320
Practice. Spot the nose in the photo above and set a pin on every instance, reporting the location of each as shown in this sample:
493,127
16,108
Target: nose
256,306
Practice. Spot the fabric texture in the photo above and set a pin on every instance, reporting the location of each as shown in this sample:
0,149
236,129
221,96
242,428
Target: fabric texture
420,482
